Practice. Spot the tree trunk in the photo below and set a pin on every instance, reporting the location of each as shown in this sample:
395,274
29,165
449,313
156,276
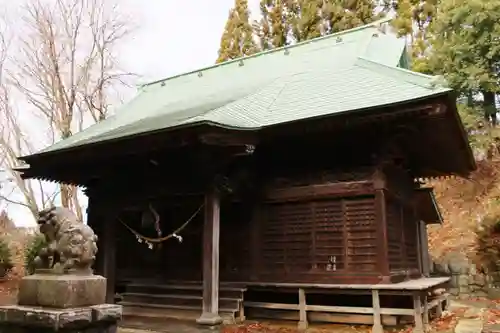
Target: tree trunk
470,99
489,107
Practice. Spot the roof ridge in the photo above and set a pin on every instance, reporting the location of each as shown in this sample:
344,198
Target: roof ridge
343,32
430,80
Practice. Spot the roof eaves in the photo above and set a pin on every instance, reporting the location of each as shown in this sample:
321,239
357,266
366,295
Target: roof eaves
375,24
26,158
415,78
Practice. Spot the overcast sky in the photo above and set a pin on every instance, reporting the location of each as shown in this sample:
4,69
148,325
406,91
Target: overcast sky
176,36
171,37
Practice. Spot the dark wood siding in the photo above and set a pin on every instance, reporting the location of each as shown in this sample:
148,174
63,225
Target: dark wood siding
324,237
402,237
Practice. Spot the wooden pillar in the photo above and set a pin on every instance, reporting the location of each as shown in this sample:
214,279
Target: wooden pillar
424,248
381,224
108,247
377,316
105,229
302,326
211,232
255,238
425,314
418,315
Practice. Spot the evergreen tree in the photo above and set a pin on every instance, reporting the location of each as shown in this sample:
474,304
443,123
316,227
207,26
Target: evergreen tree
347,14
413,19
273,28
288,21
466,49
237,38
305,19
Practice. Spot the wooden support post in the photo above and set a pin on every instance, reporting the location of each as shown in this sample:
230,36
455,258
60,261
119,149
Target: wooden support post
424,249
439,309
377,318
425,314
241,311
302,326
417,308
382,246
211,233
105,229
109,258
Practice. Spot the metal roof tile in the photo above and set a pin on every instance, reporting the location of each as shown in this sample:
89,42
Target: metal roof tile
339,73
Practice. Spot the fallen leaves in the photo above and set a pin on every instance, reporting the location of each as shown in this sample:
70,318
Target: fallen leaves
291,328
256,328
492,316
448,321
8,291
463,204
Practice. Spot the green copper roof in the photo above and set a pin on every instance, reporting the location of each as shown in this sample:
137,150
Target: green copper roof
347,71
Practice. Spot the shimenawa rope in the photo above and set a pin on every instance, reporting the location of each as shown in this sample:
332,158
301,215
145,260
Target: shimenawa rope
162,239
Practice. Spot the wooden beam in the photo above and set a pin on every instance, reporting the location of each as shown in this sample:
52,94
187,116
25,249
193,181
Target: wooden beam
328,308
219,137
340,189
211,233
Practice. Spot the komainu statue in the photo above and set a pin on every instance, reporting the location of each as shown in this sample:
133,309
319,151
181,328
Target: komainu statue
71,244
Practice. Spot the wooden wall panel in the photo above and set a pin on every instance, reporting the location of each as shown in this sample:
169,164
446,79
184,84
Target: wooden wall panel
394,230
361,238
328,236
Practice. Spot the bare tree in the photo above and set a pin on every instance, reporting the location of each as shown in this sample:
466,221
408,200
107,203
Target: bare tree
14,143
67,68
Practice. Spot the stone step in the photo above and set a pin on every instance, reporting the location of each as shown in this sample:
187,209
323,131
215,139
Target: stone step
162,311
195,289
189,300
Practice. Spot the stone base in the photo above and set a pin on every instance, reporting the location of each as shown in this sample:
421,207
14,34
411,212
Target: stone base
93,319
209,319
62,291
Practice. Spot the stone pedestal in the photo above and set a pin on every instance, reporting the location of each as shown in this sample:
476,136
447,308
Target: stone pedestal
67,303
62,291
91,319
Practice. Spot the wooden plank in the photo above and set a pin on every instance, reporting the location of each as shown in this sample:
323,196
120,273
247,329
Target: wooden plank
324,317
410,285
327,308
340,189
211,233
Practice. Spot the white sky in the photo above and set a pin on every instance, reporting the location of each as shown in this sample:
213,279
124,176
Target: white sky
176,36
171,37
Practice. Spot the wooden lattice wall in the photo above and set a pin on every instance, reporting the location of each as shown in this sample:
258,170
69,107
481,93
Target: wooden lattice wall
328,237
402,237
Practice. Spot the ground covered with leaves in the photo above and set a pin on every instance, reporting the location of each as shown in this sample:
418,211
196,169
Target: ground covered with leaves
465,204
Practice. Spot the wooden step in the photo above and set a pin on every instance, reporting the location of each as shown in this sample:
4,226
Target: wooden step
163,311
189,300
225,291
